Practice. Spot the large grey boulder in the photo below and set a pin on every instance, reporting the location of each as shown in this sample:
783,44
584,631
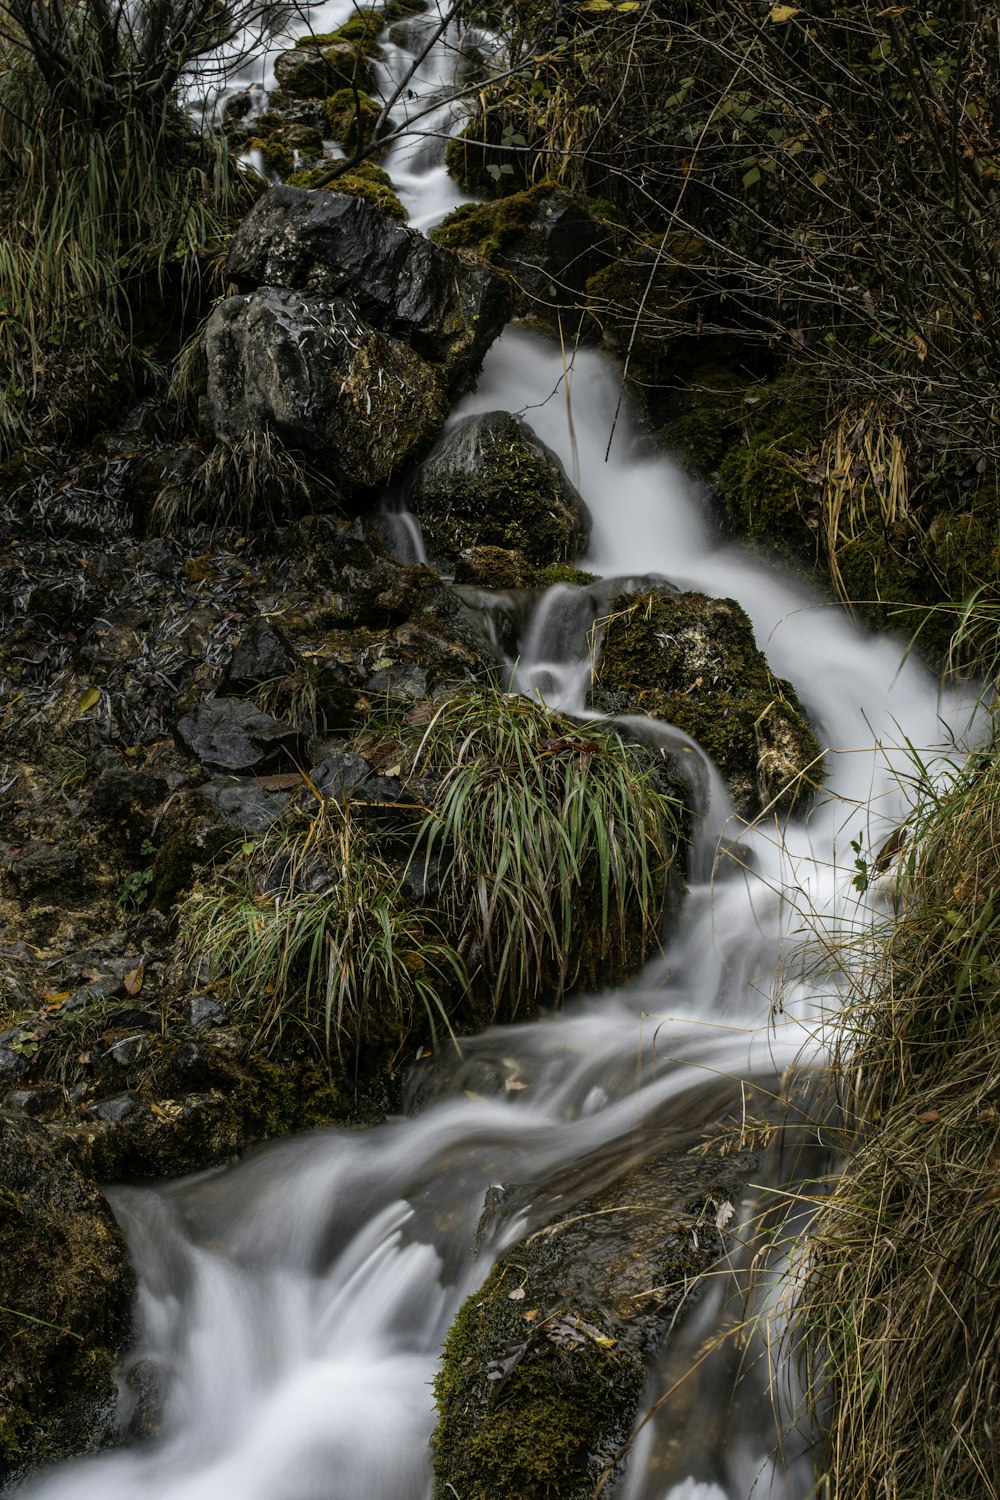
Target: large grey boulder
447,308
490,482
309,367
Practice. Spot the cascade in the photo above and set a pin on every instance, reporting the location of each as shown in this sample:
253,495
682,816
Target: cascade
293,1307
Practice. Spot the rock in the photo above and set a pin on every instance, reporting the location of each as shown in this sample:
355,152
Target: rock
65,1287
314,72
121,1107
233,734
490,482
205,1010
310,368
127,802
545,1365
261,653
41,866
693,662
545,237
243,805
448,308
339,774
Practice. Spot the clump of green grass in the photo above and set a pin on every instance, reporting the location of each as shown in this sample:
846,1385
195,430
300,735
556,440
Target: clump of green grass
554,843
312,932
900,1313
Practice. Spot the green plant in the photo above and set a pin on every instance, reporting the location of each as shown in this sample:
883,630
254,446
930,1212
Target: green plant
311,932
134,889
553,841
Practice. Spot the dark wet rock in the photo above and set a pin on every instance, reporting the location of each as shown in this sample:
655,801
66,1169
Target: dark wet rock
233,734
65,1286
36,1102
339,774
490,482
692,661
244,806
145,1397
545,1365
447,308
192,834
309,367
205,1010
14,1063
40,866
119,1108
261,653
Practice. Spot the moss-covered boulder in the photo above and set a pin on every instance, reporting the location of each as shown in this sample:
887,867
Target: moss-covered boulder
65,1287
693,662
545,1365
490,482
351,118
507,568
315,71
365,181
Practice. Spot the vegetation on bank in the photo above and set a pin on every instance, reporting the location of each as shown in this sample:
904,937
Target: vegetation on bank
900,1312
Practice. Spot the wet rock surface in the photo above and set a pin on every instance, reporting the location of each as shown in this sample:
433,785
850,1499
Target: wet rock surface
65,1287
693,662
447,309
491,482
311,369
545,1365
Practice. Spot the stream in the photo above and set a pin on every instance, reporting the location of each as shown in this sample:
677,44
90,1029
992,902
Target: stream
294,1305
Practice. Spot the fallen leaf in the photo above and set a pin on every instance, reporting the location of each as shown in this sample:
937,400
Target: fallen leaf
54,997
781,13
530,1316
517,1295
87,700
392,771
133,979
928,1116
724,1214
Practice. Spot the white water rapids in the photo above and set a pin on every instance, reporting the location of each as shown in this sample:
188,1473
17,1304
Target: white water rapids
295,1305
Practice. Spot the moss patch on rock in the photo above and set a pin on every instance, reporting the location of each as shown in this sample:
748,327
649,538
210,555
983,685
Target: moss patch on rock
365,181
693,662
351,118
540,1385
507,568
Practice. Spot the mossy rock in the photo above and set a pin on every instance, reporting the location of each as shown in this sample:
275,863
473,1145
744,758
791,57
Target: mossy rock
491,483
361,30
351,118
312,71
540,1387
365,181
705,420
507,568
886,578
692,661
64,1302
481,164
276,156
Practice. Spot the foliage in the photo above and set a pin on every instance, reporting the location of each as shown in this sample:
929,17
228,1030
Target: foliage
900,1311
552,840
113,201
542,847
312,932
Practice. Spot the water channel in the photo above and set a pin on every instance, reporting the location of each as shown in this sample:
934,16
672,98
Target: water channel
296,1303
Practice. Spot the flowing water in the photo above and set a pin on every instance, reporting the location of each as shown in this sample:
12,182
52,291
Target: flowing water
293,1307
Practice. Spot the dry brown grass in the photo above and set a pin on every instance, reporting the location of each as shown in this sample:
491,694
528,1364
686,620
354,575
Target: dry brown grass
901,1309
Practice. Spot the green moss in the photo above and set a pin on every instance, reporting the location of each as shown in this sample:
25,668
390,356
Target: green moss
888,584
693,662
507,568
351,118
361,31
481,164
276,156
366,181
487,228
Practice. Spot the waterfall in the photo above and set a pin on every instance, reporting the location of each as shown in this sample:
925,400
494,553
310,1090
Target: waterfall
292,1307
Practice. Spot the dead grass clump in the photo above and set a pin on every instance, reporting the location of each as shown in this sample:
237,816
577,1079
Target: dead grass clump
901,1309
